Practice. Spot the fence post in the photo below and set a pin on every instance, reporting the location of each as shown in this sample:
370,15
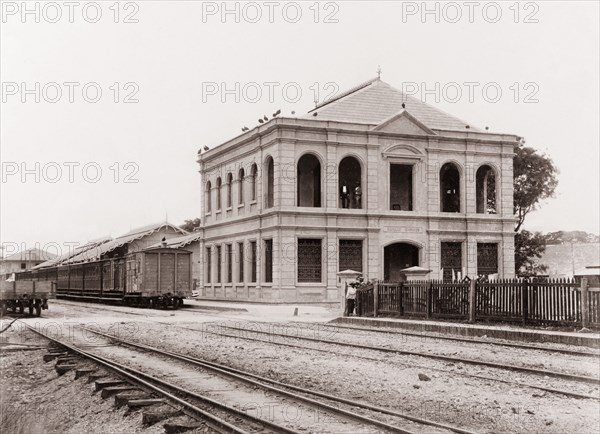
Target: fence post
428,293
472,299
525,300
375,298
585,305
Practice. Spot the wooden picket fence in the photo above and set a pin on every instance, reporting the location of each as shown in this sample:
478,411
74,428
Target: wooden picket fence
536,302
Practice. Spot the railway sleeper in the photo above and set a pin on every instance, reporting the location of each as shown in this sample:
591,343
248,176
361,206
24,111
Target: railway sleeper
107,392
79,373
155,415
64,368
124,398
109,382
182,424
96,376
51,356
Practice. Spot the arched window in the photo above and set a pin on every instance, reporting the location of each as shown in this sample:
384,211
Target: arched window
309,181
270,169
207,202
350,190
241,187
449,188
229,187
254,174
218,193
485,190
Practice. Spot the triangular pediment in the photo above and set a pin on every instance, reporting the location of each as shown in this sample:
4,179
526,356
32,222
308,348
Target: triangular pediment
404,123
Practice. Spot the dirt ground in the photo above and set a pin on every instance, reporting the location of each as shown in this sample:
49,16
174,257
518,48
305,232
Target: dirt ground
449,395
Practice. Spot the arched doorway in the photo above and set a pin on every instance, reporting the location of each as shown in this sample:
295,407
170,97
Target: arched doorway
309,181
397,257
449,188
350,188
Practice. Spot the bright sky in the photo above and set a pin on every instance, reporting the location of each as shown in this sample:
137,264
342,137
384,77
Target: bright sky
179,56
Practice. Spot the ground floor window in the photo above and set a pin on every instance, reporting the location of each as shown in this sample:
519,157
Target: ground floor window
229,259
219,259
268,261
351,256
208,264
241,261
309,260
253,259
487,258
451,260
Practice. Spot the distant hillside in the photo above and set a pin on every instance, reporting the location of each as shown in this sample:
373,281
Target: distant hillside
562,237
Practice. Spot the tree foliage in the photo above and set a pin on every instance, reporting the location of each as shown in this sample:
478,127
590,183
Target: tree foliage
191,225
529,246
534,180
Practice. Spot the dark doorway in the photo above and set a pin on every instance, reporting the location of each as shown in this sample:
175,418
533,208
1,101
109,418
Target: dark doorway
401,187
397,257
450,188
349,184
309,181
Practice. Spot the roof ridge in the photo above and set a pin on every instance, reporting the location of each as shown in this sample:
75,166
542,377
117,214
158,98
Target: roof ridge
345,93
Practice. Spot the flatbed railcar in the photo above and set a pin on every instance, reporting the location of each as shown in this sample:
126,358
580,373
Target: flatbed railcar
153,278
18,295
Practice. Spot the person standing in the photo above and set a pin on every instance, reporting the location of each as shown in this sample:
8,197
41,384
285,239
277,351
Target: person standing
344,195
350,300
357,196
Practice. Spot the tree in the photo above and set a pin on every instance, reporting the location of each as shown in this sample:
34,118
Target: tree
191,225
534,177
529,246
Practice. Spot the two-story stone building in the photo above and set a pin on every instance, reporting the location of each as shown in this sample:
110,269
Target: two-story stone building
373,180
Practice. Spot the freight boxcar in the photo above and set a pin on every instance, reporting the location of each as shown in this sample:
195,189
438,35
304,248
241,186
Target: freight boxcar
158,277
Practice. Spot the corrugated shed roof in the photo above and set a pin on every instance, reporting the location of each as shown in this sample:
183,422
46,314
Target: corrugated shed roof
179,242
71,253
374,101
96,252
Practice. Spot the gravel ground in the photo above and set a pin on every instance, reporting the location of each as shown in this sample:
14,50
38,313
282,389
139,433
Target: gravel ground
479,405
447,395
35,400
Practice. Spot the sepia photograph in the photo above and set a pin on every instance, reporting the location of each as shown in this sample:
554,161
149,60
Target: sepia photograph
299,217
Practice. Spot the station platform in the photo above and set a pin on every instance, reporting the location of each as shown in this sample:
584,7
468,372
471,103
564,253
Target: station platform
268,312
497,331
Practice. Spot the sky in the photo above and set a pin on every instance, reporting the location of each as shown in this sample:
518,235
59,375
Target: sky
105,105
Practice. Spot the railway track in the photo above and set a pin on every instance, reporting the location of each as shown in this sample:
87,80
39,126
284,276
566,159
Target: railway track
299,393
471,340
214,414
542,372
334,413
537,372
547,349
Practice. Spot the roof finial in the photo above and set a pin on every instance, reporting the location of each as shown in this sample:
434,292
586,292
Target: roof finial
379,71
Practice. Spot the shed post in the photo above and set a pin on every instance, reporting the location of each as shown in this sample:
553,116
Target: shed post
472,300
585,305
